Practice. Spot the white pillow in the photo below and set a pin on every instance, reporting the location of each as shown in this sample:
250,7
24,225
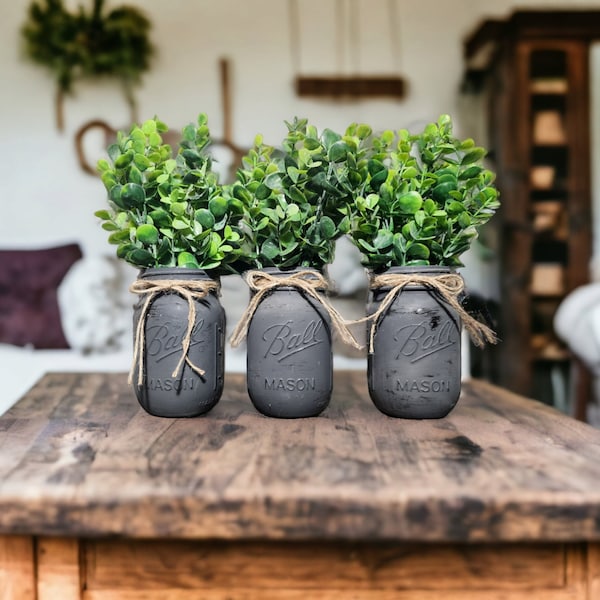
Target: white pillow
95,305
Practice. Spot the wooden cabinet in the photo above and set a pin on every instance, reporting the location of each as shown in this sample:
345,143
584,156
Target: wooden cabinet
536,88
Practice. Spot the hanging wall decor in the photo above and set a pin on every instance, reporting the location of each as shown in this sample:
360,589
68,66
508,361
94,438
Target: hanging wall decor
88,43
348,81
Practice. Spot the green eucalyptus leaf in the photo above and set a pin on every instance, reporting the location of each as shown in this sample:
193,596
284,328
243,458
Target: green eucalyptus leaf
399,242
366,246
442,191
375,166
141,162
297,195
289,248
473,155
114,152
187,260
384,239
363,131
205,217
273,181
312,143
179,208
320,182
379,178
410,203
124,249
464,219
241,193
294,173
269,250
140,257
471,172
147,234
149,126
180,224
262,192
420,217
345,225
429,206
454,208
132,195
135,175
409,173
418,251
124,160
218,206
329,138
160,217
338,151
327,228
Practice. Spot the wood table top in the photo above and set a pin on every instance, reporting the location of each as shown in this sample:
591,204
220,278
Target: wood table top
78,456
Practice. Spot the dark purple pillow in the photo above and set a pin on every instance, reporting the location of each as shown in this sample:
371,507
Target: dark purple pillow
29,279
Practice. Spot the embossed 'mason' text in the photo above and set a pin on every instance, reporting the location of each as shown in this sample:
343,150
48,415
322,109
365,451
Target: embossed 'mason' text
290,385
425,385
171,384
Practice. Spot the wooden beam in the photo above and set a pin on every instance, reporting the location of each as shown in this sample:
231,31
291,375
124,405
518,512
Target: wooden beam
355,87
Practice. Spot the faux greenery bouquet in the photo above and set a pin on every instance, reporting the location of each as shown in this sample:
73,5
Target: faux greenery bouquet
166,210
295,200
421,198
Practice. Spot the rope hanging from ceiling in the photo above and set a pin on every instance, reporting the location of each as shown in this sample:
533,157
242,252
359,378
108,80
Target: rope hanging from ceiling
347,81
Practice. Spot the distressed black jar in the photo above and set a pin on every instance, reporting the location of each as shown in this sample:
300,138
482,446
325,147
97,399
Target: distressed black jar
289,354
168,380
414,361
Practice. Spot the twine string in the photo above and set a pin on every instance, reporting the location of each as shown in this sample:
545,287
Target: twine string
448,286
305,281
189,290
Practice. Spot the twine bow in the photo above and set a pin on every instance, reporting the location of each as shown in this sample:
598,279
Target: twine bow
305,281
191,291
448,286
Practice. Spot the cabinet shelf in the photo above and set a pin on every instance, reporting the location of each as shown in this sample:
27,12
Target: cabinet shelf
537,93
549,87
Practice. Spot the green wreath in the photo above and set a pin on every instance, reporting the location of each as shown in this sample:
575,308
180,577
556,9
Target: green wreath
81,44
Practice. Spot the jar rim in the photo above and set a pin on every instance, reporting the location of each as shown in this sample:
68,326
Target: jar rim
174,273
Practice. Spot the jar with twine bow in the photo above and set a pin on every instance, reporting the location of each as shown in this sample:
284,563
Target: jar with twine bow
179,338
288,325
168,216
415,211
414,336
291,221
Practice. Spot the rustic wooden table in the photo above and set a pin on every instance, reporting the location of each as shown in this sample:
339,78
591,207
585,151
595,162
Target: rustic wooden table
98,500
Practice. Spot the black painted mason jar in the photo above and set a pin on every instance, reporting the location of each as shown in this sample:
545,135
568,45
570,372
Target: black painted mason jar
414,367
289,353
188,394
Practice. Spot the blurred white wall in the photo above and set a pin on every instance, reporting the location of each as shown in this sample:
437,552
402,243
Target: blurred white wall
46,199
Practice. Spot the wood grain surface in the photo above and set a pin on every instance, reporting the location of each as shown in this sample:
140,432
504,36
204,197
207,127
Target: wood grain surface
79,457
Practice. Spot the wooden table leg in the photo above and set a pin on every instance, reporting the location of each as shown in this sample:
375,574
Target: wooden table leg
593,571
17,568
59,573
